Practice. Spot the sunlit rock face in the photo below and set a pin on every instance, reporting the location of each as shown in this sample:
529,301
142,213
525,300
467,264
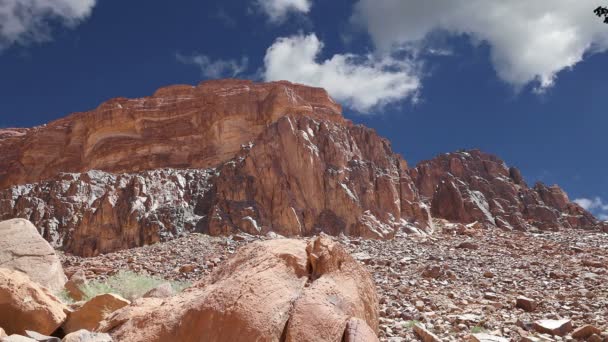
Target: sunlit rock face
179,126
475,186
222,157
234,156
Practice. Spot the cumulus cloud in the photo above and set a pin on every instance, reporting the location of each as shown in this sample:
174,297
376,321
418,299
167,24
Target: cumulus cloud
277,10
26,21
595,205
215,68
530,41
360,82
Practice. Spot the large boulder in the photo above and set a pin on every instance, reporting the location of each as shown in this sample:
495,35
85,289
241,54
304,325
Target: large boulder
24,305
23,249
269,291
91,313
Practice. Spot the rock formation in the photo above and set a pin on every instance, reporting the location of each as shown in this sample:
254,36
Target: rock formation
474,186
23,249
25,305
280,158
278,290
230,156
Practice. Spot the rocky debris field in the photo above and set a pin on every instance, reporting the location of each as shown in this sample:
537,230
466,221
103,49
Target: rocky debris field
464,281
460,283
188,258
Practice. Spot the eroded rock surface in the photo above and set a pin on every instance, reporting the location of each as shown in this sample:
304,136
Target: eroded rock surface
25,305
179,126
23,249
235,156
474,186
269,291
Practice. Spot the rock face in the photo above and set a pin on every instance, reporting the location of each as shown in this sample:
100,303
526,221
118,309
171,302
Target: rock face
23,249
474,186
276,290
91,313
24,305
179,126
280,158
98,212
230,156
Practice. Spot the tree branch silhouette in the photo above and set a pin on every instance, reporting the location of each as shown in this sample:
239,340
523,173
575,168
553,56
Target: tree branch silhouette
602,12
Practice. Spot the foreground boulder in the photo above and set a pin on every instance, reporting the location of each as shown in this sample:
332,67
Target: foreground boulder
23,249
24,305
91,313
284,290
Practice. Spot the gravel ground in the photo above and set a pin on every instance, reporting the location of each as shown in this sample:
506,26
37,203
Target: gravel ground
459,281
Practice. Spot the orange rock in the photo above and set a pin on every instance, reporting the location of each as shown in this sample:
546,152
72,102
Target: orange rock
23,249
260,294
25,305
179,126
93,312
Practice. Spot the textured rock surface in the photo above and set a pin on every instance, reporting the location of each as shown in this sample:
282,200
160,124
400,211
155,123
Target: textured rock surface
267,292
86,336
23,249
303,176
91,313
283,158
24,305
98,212
477,187
179,126
229,156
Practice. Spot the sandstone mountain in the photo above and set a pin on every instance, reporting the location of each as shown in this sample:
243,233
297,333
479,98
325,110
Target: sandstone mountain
229,156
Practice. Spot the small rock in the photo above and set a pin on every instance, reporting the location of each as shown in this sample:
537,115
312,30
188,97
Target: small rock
432,271
17,338
161,291
487,338
86,336
425,335
553,327
74,285
585,331
41,338
468,245
187,268
526,304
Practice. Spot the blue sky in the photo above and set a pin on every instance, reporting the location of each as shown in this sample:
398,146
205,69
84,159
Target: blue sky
521,79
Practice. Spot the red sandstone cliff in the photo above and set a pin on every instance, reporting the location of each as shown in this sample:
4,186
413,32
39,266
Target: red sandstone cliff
229,156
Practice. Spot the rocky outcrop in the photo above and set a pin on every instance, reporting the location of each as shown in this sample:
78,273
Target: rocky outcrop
179,126
98,212
235,156
474,186
281,158
23,249
278,290
25,305
304,176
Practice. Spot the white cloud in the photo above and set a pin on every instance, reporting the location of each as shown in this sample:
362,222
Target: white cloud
215,69
530,40
595,205
360,82
26,21
277,10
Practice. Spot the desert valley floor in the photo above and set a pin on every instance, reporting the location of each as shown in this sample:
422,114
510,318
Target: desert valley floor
459,281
